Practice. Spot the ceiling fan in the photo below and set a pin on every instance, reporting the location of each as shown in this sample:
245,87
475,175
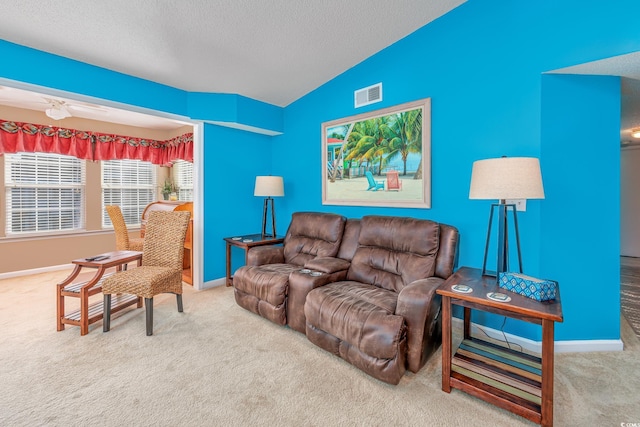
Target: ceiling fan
55,108
59,110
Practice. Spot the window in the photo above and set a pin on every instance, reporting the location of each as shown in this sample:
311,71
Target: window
130,184
44,193
183,176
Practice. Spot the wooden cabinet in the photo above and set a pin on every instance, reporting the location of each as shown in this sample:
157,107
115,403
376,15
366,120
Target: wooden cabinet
164,205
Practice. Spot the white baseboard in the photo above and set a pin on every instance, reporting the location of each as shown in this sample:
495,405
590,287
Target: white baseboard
19,273
582,346
573,346
214,283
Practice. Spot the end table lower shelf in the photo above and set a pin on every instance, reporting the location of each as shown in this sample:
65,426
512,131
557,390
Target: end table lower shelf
509,377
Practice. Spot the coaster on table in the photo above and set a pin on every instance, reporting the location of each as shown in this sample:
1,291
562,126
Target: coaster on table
236,238
497,296
463,289
247,240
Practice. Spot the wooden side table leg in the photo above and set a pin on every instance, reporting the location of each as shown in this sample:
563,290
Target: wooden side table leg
59,307
547,373
60,297
84,311
446,343
84,300
467,323
228,264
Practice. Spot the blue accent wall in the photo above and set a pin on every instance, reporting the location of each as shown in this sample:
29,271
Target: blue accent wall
36,67
232,159
225,107
483,68
483,65
581,215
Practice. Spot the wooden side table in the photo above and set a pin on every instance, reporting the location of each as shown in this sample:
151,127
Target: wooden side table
246,242
512,380
88,314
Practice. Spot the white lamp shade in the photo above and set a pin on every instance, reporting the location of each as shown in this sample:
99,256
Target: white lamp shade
269,186
506,178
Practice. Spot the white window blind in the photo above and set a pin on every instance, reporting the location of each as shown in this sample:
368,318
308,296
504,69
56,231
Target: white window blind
183,176
130,184
44,193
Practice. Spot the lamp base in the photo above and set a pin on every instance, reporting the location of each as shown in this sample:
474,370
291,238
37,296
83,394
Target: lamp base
503,240
268,201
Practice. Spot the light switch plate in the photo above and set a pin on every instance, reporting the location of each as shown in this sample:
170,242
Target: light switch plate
521,204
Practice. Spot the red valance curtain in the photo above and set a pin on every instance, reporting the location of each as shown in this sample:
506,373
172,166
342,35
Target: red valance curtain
29,138
26,137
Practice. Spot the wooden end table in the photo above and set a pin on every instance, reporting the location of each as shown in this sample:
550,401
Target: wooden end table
246,242
512,380
88,314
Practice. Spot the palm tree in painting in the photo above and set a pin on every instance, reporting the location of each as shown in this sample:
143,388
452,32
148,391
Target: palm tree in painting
404,133
369,142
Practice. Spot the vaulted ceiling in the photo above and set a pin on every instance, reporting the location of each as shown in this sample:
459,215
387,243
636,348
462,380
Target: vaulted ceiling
274,51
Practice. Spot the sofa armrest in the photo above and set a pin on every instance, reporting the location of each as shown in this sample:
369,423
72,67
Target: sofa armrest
300,284
420,306
327,264
260,255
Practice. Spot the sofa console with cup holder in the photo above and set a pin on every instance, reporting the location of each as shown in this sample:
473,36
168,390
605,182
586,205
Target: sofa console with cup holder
362,289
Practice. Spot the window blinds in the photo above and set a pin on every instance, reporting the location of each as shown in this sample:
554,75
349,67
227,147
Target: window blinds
44,192
183,175
130,184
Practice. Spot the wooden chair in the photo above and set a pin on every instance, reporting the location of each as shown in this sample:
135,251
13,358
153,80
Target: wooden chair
123,242
161,269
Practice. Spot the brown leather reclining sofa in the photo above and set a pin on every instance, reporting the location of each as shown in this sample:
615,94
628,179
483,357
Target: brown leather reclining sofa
362,289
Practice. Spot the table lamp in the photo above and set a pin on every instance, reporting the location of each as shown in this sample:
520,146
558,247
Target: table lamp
269,187
505,178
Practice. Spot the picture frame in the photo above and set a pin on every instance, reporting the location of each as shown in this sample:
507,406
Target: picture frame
380,158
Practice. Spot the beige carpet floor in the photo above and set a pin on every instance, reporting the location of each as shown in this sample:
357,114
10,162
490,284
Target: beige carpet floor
219,365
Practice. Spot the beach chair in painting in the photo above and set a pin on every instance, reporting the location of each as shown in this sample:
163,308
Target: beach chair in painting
373,184
393,181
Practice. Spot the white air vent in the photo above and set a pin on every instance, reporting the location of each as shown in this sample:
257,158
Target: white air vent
368,95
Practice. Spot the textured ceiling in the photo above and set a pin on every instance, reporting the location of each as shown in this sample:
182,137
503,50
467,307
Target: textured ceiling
274,51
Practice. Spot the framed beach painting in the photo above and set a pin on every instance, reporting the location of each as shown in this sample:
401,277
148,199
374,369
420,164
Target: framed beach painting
381,158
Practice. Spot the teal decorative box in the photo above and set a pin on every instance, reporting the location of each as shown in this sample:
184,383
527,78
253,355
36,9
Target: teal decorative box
537,289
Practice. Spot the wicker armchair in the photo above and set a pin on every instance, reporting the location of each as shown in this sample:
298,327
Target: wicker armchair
123,242
161,269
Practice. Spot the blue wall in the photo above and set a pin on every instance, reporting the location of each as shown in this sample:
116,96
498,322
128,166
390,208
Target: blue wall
483,67
35,67
582,206
232,159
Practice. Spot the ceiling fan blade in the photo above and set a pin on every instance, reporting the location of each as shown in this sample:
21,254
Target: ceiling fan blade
89,108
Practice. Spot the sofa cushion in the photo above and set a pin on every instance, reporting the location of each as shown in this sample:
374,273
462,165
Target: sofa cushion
394,251
358,314
311,235
266,282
